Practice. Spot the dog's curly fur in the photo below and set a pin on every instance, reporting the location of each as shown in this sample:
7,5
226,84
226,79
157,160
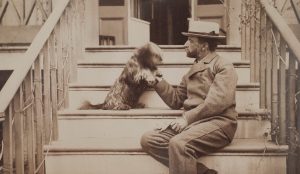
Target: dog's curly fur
139,71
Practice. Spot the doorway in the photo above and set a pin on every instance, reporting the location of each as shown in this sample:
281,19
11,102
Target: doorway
168,19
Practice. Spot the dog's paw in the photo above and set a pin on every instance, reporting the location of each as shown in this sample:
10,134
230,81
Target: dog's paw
139,105
122,107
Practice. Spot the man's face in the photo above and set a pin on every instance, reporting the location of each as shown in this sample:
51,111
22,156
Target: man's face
192,47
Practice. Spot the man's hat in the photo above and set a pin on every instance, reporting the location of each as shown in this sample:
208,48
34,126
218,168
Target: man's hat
204,29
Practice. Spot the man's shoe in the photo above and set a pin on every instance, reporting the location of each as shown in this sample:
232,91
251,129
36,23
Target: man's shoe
211,171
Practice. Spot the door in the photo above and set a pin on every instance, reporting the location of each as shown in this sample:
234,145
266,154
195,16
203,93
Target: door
113,17
168,18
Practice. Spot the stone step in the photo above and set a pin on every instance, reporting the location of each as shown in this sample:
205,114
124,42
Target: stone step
133,123
247,96
106,74
171,54
115,156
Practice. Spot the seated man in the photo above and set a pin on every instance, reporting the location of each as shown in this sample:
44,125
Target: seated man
207,95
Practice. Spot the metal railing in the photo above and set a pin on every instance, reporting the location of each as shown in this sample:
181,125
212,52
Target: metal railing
38,88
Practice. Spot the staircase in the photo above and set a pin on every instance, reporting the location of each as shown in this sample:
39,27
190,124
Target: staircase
107,142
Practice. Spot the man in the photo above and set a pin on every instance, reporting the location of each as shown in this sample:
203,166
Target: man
207,95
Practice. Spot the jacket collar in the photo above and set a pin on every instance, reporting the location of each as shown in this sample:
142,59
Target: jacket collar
200,66
208,58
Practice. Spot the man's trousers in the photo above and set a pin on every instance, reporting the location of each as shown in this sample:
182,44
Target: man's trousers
180,151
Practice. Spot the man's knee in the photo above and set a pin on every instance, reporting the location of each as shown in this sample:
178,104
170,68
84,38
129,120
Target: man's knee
177,142
145,140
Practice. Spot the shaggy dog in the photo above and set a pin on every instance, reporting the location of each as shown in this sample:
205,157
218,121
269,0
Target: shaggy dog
139,73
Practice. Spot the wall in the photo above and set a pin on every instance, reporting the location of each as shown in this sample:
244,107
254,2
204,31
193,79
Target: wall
91,22
138,31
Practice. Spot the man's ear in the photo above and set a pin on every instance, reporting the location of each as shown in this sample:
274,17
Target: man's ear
205,45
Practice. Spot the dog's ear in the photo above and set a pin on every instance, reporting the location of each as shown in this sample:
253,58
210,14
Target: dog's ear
145,54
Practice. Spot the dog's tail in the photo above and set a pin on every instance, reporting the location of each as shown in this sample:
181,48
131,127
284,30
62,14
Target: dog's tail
86,105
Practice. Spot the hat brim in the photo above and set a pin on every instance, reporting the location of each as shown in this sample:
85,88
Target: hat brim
203,35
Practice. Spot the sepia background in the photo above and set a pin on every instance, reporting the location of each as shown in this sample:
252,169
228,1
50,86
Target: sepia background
55,54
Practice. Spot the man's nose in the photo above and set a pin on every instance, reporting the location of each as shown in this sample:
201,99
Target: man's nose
186,44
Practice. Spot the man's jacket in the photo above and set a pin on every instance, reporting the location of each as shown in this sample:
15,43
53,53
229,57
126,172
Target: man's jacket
206,93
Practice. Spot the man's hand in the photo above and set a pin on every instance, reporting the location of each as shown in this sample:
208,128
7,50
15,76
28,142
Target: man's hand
179,124
162,126
153,78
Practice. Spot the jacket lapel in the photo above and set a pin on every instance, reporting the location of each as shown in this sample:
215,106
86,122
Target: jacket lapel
209,57
200,66
196,68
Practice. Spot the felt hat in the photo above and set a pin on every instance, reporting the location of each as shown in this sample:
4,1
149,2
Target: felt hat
204,29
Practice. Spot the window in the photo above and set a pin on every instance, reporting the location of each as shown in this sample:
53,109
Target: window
111,2
210,2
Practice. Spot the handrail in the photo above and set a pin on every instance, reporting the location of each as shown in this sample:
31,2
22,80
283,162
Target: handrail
283,28
13,83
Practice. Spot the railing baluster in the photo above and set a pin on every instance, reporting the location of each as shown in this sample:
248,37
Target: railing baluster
18,130
256,63
73,36
243,30
248,35
59,54
263,58
252,39
291,92
64,55
269,64
298,113
81,23
39,114
64,35
53,64
282,92
67,58
8,141
47,93
274,98
291,114
28,86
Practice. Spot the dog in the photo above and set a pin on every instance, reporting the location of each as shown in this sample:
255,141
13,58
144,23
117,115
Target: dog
138,74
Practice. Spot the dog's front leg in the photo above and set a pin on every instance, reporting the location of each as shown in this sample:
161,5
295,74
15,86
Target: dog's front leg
148,77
